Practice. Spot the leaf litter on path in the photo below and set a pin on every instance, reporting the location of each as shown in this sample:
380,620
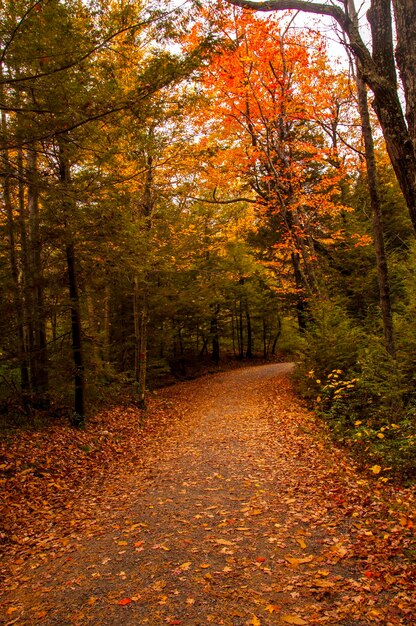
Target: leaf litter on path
231,507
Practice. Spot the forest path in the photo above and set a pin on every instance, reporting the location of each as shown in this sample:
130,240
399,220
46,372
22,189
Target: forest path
244,514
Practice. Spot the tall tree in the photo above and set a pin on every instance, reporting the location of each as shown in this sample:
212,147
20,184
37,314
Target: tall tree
270,87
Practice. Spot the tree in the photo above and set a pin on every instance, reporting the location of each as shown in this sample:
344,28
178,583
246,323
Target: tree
267,90
378,69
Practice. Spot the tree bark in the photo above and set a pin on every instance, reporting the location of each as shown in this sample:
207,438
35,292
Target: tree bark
214,334
249,351
39,356
76,330
405,18
17,295
76,325
300,298
372,182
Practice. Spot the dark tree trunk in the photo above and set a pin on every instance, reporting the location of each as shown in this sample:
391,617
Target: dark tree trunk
39,356
249,351
372,182
301,308
405,17
14,266
214,334
204,349
240,331
77,351
386,103
265,343
76,325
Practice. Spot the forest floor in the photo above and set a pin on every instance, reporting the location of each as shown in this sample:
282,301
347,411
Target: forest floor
231,506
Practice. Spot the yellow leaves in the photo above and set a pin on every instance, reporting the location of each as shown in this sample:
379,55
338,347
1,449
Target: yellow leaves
298,561
339,550
254,621
223,542
302,543
293,619
159,585
185,566
376,469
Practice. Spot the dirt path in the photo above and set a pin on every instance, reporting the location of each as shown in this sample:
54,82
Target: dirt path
244,515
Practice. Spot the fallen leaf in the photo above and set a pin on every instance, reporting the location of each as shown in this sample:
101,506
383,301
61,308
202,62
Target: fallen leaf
125,601
272,608
11,610
339,549
223,542
293,619
298,561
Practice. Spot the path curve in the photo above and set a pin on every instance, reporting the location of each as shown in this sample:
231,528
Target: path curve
246,515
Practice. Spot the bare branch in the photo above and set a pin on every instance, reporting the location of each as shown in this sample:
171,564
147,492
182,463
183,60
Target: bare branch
296,5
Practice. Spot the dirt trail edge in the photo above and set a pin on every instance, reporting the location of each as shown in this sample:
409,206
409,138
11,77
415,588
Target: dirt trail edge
244,514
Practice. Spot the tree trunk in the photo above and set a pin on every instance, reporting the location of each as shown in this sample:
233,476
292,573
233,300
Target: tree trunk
399,141
76,331
39,357
76,325
233,331
214,334
372,182
265,342
240,331
106,326
300,298
277,337
27,305
405,17
249,351
143,351
17,295
136,323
